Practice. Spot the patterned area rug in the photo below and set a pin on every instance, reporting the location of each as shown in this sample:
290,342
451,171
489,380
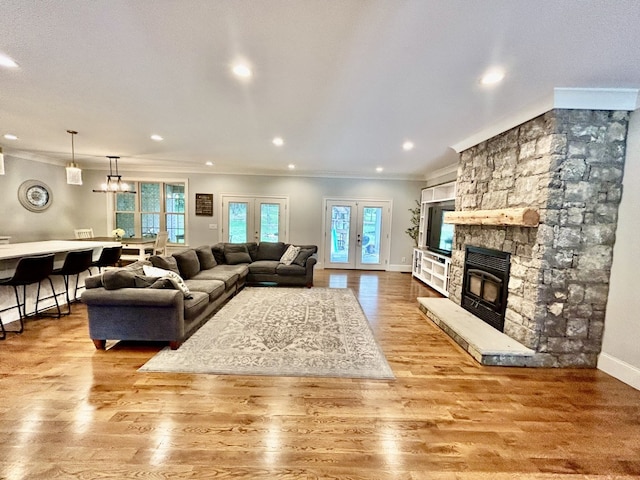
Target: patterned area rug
317,332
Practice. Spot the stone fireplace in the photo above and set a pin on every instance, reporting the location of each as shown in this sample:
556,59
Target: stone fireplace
568,164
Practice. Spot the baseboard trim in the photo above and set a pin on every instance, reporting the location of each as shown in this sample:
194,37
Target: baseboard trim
399,268
623,371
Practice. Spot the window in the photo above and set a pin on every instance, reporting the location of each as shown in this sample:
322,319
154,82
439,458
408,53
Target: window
254,219
157,206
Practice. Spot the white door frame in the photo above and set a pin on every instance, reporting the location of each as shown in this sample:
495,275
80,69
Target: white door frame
385,246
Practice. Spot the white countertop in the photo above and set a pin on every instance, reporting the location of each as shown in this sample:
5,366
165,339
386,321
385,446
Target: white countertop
18,250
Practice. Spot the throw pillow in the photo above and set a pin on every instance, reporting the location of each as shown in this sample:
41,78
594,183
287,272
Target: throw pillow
290,255
165,263
188,263
206,258
173,277
236,254
302,257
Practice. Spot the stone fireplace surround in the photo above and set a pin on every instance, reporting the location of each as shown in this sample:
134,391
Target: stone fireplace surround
568,164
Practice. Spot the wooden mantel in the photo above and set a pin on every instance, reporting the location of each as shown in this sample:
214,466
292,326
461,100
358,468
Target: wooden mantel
520,217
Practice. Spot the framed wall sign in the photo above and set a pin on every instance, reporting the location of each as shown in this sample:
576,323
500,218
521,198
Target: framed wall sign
204,204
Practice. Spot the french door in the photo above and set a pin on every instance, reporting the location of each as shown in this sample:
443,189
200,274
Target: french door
357,234
254,219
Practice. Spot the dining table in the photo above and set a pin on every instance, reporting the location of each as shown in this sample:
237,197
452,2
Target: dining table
133,248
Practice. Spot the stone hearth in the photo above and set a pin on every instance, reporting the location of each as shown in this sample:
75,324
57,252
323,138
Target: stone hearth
568,164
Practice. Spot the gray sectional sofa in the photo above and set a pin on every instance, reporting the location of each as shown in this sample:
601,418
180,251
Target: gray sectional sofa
169,297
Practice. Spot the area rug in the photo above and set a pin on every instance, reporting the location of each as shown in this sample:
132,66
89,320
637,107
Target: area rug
317,332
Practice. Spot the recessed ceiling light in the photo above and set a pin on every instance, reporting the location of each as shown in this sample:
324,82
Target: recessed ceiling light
379,169
493,76
278,141
156,138
407,146
209,164
292,166
241,70
8,62
10,136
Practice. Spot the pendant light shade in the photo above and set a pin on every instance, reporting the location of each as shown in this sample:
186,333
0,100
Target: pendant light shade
74,173
114,182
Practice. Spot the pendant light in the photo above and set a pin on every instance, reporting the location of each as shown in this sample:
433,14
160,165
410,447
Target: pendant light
74,173
114,182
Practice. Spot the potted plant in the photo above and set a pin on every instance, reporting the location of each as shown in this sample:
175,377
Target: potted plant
414,230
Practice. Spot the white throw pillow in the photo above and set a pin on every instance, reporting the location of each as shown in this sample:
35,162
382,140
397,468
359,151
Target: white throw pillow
290,255
173,277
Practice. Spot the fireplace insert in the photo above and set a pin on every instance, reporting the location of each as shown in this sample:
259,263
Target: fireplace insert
485,284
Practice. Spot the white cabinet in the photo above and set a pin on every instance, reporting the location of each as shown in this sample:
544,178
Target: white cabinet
433,269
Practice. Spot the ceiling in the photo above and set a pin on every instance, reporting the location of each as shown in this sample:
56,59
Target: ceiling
343,82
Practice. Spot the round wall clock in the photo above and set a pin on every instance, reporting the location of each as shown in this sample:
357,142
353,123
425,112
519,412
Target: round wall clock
35,195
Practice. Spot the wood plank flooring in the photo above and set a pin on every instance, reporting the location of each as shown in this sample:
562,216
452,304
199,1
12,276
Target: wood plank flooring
68,411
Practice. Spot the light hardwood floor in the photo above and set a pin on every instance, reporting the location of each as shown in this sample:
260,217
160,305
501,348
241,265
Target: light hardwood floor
69,411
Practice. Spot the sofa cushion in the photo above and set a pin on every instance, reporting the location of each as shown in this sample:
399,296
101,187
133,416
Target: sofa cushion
229,277
195,305
292,269
264,266
205,257
236,253
270,250
252,248
188,263
218,253
290,255
164,262
213,288
303,255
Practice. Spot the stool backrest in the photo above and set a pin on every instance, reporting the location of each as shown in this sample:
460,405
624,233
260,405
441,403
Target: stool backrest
32,269
109,256
77,261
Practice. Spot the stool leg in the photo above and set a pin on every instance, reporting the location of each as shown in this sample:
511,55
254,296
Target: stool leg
55,298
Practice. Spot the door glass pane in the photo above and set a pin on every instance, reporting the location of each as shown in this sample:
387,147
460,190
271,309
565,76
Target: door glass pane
340,220
269,222
126,221
371,227
237,222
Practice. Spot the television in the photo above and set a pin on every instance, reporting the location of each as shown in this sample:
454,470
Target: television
439,234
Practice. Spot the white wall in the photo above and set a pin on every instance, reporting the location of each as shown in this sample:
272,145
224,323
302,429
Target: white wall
77,206
620,355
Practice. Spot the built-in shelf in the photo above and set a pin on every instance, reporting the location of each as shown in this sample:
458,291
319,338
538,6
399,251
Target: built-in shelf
432,195
433,269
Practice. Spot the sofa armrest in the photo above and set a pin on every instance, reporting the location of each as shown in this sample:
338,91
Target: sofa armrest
134,297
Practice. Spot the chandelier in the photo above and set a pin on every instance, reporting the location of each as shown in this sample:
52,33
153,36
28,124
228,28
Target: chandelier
74,173
114,182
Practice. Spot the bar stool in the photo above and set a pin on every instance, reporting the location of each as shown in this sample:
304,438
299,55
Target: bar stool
109,257
29,270
74,264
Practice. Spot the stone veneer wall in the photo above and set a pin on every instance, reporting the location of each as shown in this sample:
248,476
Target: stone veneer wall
568,164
